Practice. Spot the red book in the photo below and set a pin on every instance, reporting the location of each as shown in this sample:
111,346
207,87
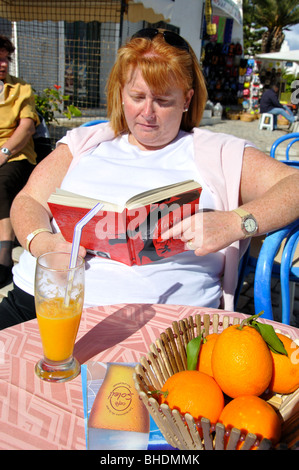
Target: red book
130,233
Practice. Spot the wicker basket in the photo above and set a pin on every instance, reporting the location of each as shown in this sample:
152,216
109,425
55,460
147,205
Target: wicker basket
233,116
246,117
282,121
168,356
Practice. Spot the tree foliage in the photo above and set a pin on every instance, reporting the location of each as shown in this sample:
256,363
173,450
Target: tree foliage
265,22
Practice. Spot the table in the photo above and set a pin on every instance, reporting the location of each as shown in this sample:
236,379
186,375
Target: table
39,415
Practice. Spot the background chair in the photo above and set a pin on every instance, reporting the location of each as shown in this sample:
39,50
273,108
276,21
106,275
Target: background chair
247,265
93,123
266,122
42,140
289,268
292,137
285,240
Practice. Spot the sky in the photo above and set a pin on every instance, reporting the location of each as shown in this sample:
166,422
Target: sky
292,38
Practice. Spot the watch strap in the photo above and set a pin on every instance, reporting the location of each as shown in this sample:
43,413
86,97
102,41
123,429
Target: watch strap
33,234
241,212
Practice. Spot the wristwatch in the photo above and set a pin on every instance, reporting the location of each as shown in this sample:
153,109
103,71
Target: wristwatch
249,224
6,152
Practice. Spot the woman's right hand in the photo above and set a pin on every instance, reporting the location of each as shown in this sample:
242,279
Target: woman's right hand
45,242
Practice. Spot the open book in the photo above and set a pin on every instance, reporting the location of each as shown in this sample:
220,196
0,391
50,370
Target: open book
131,233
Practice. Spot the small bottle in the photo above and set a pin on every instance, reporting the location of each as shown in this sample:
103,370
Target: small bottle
118,419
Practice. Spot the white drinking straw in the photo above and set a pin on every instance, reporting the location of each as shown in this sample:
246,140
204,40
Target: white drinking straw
75,246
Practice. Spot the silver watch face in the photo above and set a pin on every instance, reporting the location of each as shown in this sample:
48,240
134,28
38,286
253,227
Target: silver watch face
6,151
250,225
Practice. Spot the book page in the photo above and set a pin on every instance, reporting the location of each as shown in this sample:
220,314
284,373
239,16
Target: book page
68,198
158,194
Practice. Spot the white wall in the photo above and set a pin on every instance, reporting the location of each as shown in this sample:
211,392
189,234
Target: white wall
187,15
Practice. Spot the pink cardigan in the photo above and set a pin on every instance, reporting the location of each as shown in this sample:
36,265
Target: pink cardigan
219,158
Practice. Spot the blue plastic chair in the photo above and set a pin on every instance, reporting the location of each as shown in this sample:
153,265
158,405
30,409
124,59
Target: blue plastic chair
293,137
288,273
264,271
247,265
94,122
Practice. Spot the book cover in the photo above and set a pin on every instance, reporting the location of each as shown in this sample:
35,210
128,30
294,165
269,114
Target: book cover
115,418
130,234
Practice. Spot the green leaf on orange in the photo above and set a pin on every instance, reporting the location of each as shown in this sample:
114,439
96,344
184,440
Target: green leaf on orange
267,332
193,348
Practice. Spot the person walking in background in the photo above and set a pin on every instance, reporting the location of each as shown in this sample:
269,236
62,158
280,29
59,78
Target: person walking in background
18,120
270,103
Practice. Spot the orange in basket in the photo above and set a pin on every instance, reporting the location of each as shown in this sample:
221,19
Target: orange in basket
194,392
241,362
285,378
205,354
254,415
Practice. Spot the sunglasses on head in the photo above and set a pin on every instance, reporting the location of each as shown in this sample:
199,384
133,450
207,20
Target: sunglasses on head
171,38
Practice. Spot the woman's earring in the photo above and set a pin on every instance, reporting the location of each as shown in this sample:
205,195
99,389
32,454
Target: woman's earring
186,109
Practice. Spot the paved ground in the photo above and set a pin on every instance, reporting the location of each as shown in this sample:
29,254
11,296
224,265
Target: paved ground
263,139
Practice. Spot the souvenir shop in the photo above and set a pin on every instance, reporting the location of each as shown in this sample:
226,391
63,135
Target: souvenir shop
231,79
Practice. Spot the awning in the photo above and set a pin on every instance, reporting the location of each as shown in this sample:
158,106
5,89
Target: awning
149,10
285,56
233,8
57,10
86,10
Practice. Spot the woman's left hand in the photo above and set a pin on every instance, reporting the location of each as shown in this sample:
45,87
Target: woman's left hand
207,231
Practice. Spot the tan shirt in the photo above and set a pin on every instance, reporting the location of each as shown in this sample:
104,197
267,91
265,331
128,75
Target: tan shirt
18,103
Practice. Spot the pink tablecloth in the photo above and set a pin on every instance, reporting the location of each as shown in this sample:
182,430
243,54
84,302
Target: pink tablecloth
38,415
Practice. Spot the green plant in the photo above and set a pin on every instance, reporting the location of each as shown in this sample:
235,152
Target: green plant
51,101
289,79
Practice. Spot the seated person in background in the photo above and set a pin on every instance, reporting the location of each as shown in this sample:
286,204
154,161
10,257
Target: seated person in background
269,103
18,119
156,98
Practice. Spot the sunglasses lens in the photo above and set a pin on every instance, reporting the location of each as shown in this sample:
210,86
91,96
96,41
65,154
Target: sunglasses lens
148,33
175,40
171,38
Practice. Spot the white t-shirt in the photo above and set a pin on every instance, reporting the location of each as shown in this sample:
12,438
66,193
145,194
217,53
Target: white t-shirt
182,279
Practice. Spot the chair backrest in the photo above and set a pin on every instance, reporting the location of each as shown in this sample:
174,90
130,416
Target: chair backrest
42,140
94,122
288,272
288,235
293,137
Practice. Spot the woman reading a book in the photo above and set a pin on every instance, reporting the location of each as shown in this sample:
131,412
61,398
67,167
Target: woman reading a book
156,98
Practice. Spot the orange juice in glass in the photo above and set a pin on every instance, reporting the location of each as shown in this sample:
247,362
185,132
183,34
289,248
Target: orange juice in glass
59,296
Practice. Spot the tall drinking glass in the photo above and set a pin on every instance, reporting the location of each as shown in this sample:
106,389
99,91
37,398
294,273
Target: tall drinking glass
59,296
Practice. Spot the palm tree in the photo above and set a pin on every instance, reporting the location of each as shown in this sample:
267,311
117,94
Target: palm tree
275,17
251,32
